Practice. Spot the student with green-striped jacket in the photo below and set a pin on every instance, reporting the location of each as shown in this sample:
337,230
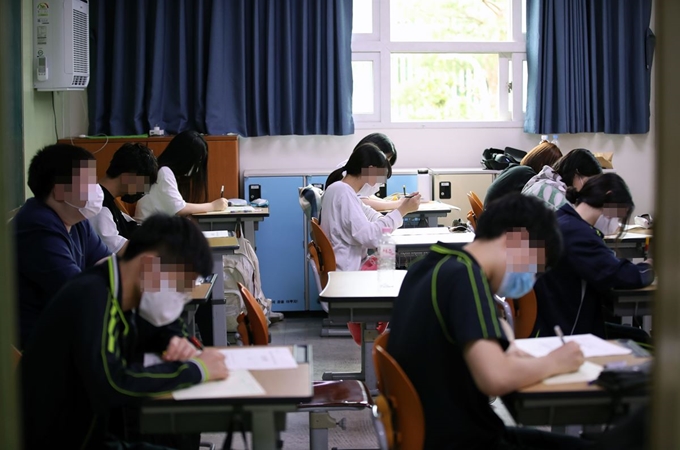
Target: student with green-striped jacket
85,357
573,169
448,338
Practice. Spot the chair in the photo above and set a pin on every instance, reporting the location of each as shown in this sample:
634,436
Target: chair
524,311
476,204
324,252
401,423
16,357
328,395
381,341
472,219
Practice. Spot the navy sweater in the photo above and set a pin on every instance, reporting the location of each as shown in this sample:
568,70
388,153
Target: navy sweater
586,257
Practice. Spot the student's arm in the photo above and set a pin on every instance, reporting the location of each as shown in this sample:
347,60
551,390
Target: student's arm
595,262
93,246
367,230
106,229
156,339
379,204
496,372
196,208
110,381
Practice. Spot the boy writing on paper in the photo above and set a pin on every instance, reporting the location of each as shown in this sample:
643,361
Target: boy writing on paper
89,339
447,337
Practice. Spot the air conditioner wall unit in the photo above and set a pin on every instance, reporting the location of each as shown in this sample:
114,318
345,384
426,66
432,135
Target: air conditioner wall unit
61,60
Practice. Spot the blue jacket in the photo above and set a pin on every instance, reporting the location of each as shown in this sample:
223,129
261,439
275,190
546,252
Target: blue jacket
586,258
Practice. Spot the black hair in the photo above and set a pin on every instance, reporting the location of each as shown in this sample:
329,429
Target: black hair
53,165
188,153
516,211
134,158
364,156
176,239
579,161
383,143
607,189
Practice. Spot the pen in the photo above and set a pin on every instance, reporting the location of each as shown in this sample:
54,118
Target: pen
558,331
222,192
196,343
404,187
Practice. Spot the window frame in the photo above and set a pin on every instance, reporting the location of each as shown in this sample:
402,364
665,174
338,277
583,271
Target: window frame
378,47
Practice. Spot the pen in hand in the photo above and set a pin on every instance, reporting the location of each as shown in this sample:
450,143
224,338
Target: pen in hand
404,188
222,192
558,332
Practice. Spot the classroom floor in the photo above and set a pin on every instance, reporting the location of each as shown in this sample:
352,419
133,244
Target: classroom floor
330,354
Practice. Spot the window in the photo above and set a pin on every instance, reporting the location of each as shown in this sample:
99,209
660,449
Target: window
439,63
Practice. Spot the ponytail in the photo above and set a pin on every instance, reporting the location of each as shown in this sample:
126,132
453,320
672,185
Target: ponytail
572,195
336,175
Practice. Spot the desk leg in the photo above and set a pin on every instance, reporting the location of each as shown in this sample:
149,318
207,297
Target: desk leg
249,231
219,313
328,376
367,338
264,433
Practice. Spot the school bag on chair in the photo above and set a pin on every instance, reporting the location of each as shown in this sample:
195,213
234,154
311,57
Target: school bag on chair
244,267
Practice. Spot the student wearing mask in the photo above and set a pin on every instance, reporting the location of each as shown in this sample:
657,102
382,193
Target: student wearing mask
515,176
351,226
447,336
573,169
385,145
572,294
182,186
54,240
95,365
132,171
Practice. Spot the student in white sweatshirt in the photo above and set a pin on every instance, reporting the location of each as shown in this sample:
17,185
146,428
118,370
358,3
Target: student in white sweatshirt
351,226
385,145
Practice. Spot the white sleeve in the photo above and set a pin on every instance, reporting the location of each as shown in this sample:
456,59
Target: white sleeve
106,228
371,214
363,230
170,199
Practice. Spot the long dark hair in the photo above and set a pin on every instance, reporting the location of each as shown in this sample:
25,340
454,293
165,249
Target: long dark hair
607,189
578,161
363,157
187,156
383,143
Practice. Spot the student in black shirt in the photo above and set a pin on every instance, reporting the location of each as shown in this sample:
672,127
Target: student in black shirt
132,171
515,177
446,334
85,356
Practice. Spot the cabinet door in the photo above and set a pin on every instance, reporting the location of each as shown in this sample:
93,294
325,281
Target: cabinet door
461,184
280,242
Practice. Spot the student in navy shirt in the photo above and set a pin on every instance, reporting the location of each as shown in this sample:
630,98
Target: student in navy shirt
573,294
450,342
54,241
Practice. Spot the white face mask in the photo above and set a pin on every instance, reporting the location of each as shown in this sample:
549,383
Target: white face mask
162,308
607,225
95,199
367,190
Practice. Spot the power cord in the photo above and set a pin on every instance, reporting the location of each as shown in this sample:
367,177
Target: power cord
54,111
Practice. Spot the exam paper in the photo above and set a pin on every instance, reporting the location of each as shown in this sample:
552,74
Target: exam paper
239,383
586,373
420,231
259,358
591,345
218,234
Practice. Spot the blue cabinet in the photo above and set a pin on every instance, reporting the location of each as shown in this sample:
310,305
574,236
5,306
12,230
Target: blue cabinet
280,240
396,183
312,289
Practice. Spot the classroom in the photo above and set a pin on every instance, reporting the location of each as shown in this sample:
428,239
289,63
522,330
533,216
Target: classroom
346,224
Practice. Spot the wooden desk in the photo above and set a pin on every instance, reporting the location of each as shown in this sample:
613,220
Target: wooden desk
264,415
213,321
358,297
632,243
573,403
429,212
231,218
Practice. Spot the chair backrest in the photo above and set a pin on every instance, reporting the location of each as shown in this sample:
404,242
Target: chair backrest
257,328
324,250
524,311
476,204
407,419
380,341
472,219
16,357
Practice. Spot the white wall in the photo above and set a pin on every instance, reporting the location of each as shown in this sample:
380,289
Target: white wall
453,148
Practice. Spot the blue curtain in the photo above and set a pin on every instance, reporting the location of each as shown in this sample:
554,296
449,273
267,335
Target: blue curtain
250,67
589,66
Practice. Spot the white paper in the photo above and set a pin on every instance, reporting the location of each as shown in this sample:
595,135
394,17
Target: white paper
420,231
218,234
239,383
590,345
259,358
586,373
151,359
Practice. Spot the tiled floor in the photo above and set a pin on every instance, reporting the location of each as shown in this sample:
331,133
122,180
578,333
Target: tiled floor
330,354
